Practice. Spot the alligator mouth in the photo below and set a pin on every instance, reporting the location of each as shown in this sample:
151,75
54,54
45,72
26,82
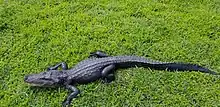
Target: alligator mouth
35,85
37,82
28,80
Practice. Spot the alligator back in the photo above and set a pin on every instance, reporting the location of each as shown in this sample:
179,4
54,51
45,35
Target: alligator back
90,69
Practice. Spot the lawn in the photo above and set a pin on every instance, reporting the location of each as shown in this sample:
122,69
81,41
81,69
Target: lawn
35,34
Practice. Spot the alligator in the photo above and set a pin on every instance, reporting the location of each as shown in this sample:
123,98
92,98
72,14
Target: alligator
100,66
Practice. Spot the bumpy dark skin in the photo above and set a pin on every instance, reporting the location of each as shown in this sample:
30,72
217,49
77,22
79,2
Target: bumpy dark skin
99,66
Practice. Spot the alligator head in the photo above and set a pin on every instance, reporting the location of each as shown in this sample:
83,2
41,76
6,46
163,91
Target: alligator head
45,79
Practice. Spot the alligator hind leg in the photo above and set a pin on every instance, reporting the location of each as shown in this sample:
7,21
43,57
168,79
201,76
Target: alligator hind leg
63,65
98,54
108,73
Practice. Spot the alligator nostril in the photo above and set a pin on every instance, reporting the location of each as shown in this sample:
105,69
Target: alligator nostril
25,78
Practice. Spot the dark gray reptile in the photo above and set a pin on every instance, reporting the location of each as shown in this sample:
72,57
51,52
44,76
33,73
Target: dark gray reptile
100,66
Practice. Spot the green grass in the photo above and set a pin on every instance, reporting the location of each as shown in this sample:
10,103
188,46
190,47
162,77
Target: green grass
35,34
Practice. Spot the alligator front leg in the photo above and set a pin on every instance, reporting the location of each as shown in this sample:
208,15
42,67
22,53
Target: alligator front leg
73,94
63,65
108,73
98,54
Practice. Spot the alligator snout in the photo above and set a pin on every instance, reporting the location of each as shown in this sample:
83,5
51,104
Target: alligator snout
28,78
25,77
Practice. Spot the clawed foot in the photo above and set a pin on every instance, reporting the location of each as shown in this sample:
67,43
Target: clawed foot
109,78
63,65
98,54
69,98
66,103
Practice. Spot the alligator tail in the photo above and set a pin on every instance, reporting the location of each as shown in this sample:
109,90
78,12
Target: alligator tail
181,67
